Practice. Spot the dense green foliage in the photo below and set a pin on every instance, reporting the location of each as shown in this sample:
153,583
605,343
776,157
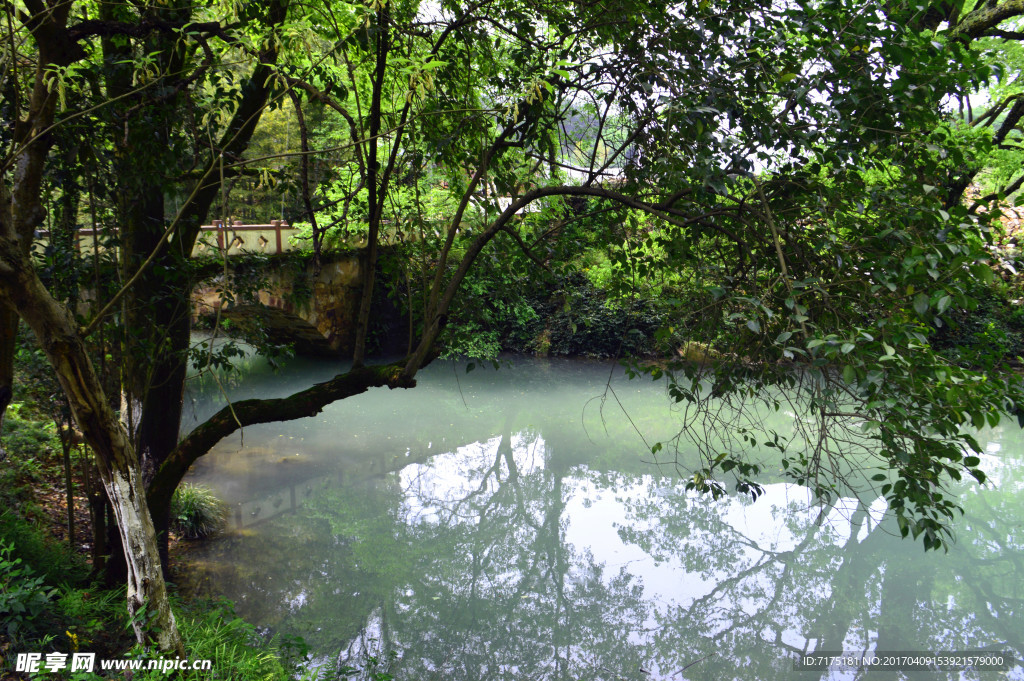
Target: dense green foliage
567,315
22,595
781,183
46,596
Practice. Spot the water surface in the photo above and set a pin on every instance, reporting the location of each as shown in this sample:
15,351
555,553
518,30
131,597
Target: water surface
512,524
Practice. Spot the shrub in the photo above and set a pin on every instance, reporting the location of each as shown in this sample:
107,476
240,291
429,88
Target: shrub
30,444
195,512
23,598
55,562
580,319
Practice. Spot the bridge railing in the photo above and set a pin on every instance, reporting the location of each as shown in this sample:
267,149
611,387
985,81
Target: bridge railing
235,238
216,239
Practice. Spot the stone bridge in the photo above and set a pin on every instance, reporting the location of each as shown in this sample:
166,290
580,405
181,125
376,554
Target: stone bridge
314,311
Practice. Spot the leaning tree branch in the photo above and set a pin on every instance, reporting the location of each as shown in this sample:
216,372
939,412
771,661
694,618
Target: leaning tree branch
318,95
1013,117
1006,35
305,403
992,114
985,18
524,248
1005,191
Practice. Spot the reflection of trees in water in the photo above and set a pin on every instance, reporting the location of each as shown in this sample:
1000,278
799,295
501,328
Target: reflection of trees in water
857,588
513,600
463,566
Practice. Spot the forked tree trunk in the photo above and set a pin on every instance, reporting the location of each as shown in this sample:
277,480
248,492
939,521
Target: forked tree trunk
118,465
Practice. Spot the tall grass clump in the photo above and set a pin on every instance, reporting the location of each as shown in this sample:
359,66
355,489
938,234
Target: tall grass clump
195,512
235,649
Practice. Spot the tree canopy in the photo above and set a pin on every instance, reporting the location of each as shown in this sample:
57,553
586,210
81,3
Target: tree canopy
796,172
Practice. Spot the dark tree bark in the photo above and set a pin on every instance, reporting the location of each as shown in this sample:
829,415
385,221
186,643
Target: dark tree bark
374,182
118,464
21,211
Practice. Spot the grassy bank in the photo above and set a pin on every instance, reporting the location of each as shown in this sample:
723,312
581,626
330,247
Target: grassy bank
51,602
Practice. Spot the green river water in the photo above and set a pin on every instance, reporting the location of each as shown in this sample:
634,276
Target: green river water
510,524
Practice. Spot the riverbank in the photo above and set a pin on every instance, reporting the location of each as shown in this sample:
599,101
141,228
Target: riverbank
53,603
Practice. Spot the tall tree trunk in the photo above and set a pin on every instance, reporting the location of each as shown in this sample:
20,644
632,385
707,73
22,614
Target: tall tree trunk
97,500
118,464
154,363
373,182
156,319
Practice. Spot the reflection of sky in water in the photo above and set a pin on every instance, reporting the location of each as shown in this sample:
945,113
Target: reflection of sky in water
432,489
593,515
750,583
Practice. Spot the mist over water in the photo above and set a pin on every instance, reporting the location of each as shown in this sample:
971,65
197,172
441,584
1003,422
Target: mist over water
513,524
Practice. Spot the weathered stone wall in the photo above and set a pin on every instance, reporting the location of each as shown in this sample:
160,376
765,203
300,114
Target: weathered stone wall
315,314
330,308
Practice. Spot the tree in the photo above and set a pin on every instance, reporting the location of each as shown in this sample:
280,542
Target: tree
793,162
138,84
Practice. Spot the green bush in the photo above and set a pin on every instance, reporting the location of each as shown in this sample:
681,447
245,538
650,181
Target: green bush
988,335
196,512
30,444
23,596
567,315
54,561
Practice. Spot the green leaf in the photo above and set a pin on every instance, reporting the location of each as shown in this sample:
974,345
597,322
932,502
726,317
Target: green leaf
983,271
921,303
849,374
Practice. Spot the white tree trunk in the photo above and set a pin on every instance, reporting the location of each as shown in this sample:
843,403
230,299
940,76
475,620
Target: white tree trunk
148,604
116,459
